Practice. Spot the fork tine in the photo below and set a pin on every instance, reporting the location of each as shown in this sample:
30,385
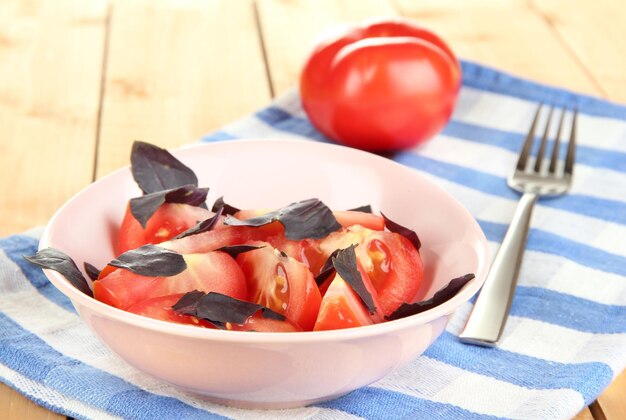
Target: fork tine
571,147
544,140
523,156
557,144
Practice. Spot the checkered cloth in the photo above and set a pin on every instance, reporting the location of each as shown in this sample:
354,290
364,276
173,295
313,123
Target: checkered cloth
563,345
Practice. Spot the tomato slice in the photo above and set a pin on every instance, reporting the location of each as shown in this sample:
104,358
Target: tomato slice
210,272
347,218
168,221
306,251
259,324
282,284
341,308
220,236
161,308
391,262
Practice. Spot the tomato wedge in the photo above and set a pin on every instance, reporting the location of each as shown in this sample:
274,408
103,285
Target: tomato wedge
347,218
391,262
168,221
259,324
282,284
341,308
161,308
210,272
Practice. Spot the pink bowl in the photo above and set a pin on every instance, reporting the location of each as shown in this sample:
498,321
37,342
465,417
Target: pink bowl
277,370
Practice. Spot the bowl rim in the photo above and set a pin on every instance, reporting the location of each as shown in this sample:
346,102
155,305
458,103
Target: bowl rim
80,299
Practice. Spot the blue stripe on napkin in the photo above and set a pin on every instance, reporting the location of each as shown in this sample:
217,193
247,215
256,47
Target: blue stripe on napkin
377,403
586,155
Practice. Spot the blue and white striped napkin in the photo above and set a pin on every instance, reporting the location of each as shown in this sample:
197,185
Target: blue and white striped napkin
564,343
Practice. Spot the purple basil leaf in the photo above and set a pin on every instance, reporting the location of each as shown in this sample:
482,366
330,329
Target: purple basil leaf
144,207
151,261
201,227
188,303
91,271
345,264
444,294
303,219
220,309
363,209
227,209
404,231
235,250
53,259
155,169
327,270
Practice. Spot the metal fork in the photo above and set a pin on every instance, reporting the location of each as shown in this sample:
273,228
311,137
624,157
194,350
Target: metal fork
486,322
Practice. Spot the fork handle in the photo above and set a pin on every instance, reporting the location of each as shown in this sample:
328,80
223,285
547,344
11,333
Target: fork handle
486,322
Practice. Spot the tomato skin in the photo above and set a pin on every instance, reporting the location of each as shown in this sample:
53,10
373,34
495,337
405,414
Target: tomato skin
169,220
259,324
282,284
161,308
385,85
210,272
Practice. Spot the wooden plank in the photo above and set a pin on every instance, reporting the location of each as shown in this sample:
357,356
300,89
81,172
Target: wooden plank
585,414
507,34
612,403
16,406
50,68
290,27
177,70
594,32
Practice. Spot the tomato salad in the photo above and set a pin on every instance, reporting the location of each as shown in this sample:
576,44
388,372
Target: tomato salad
302,267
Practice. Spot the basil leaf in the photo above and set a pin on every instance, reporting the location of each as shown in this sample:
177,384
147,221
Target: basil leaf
327,270
235,250
151,261
155,169
220,309
345,264
201,227
91,271
404,231
226,208
363,209
56,260
303,219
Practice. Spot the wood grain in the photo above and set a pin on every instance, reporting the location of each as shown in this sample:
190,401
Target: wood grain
599,47
15,406
176,70
509,35
50,69
304,21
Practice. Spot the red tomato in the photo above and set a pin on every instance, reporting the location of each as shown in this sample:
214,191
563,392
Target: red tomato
384,85
347,218
341,308
390,260
210,272
161,308
259,324
282,284
168,221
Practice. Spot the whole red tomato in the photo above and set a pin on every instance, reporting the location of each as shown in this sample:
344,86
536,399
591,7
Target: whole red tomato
383,85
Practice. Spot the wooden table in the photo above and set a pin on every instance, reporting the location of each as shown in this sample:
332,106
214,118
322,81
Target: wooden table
80,80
